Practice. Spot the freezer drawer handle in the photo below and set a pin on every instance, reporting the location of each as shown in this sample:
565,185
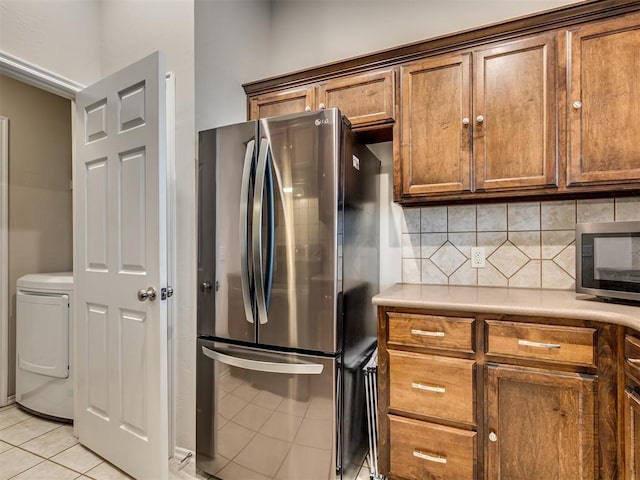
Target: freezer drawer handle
429,457
262,366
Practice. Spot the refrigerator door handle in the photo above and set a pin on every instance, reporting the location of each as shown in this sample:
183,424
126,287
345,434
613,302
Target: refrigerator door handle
244,231
258,194
262,365
271,233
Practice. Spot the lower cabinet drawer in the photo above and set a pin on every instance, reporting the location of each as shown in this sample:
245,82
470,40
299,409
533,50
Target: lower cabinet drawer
421,450
432,331
432,385
552,343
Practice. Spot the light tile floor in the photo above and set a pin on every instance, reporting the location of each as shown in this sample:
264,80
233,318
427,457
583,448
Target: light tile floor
32,448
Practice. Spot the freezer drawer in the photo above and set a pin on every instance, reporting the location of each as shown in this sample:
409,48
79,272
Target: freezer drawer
262,414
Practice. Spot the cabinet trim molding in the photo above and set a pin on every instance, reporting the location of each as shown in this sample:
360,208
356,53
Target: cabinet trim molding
561,17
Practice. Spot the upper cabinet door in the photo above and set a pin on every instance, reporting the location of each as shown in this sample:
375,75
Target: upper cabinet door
282,102
435,147
603,102
515,114
365,98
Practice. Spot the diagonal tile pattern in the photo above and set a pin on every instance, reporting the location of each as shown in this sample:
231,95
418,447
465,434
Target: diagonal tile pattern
508,259
526,244
448,258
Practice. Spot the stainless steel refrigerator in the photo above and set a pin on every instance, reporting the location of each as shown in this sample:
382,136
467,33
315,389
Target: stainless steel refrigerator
287,265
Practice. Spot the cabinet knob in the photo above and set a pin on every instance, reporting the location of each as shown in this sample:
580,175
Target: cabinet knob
321,106
465,121
577,105
479,119
493,436
307,108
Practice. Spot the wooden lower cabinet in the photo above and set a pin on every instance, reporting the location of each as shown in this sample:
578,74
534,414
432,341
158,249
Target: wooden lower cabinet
632,435
512,398
540,424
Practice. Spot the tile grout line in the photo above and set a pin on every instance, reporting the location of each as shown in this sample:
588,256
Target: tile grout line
44,459
50,459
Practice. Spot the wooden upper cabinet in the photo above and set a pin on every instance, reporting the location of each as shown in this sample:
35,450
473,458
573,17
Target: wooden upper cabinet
365,99
282,102
540,424
495,112
435,144
511,129
603,101
515,120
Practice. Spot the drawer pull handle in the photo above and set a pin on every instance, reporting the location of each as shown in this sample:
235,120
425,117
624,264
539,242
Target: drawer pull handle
527,343
431,458
424,333
633,361
428,388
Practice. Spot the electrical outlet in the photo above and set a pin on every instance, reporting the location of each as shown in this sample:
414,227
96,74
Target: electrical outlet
477,257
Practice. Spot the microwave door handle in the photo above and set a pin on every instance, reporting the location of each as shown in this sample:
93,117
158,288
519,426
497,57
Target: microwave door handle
244,231
302,368
258,194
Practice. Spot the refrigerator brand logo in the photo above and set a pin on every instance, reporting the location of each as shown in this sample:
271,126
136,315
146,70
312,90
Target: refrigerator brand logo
324,121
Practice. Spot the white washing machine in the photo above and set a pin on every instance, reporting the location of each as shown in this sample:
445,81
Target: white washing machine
44,329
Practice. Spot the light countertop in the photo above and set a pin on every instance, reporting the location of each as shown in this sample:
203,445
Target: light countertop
511,301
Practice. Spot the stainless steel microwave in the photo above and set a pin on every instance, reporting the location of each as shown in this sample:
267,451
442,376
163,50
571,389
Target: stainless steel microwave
608,259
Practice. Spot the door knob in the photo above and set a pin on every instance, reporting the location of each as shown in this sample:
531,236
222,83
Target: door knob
149,293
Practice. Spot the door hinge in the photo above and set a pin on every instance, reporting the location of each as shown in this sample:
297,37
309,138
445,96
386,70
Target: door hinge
166,293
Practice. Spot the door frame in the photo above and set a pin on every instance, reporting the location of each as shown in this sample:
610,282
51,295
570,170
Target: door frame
4,259
39,77
35,76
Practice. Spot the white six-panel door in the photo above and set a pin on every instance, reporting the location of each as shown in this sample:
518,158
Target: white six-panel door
119,249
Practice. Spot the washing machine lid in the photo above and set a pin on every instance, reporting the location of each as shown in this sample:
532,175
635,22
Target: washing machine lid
46,281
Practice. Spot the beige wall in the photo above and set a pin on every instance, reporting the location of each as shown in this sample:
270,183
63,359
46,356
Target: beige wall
60,36
39,188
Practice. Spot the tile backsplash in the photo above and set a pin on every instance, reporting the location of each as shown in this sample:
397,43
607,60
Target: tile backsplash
528,245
